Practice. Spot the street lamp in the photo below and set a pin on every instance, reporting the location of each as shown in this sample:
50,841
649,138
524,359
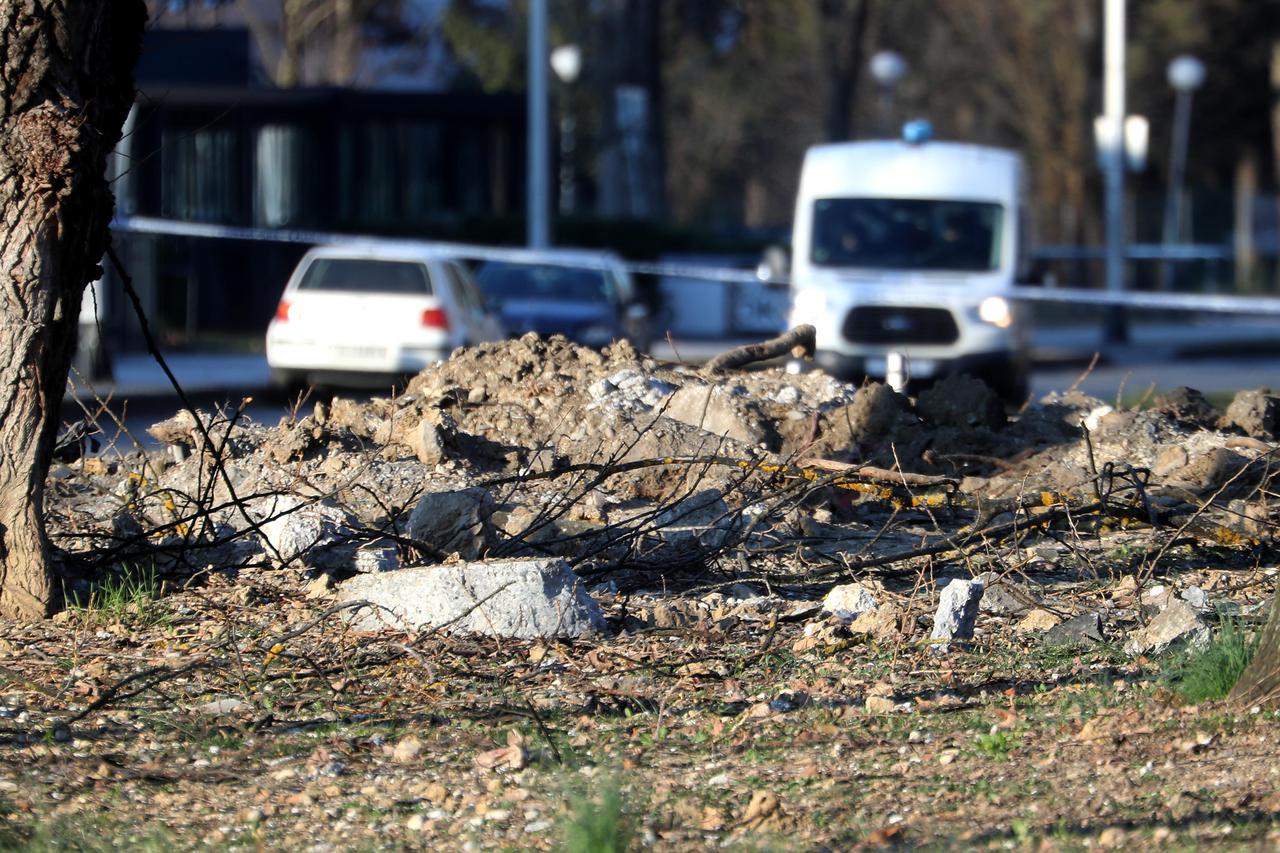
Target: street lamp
887,68
1185,74
539,159
566,62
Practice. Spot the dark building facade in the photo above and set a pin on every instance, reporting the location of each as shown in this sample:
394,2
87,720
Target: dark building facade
229,153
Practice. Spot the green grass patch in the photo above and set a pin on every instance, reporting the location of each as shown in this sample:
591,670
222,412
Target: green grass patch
997,745
599,823
130,595
1209,674
81,834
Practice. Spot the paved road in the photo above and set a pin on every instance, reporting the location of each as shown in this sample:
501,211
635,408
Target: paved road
1133,380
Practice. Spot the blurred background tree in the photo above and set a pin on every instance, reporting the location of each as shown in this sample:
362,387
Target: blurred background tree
733,91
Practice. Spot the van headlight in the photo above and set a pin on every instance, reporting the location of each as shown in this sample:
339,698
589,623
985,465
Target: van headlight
809,303
996,311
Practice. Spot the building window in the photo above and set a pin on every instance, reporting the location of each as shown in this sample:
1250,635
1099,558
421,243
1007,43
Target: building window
390,173
278,176
199,177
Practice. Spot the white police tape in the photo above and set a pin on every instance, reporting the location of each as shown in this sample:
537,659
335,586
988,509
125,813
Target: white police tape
590,259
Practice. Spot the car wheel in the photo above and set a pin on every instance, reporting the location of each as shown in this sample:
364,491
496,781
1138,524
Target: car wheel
287,381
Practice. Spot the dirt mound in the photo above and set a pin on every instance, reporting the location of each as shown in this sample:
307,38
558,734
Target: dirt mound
556,431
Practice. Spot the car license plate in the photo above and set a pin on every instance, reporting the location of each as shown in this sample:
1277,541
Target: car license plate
917,368
362,353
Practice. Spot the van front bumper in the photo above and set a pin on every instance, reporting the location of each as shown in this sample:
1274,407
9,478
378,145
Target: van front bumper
1005,371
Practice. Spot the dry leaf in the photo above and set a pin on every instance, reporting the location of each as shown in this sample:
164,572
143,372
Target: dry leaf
764,814
407,750
513,756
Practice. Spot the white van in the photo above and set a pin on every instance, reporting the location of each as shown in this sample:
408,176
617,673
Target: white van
906,252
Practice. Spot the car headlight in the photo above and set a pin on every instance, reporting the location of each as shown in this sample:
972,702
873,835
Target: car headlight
996,311
596,336
809,303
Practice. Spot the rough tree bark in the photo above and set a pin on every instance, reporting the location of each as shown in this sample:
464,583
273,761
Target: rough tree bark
1259,684
66,88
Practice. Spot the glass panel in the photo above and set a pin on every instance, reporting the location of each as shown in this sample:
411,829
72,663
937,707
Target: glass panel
360,275
277,176
886,233
503,281
199,176
423,196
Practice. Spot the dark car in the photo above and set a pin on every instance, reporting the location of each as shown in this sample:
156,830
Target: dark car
586,296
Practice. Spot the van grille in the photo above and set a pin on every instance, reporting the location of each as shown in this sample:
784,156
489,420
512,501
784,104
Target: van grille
886,324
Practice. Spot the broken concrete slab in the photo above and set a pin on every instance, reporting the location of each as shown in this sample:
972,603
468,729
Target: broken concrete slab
524,599
1084,630
314,532
1254,412
716,409
1004,597
849,601
956,615
456,522
1179,624
1037,622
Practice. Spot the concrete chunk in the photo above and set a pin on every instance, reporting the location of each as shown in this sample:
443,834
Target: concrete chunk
315,533
849,601
1179,624
1084,630
454,522
524,599
957,613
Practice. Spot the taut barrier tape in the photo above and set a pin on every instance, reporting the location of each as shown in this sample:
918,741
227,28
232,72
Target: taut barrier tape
564,257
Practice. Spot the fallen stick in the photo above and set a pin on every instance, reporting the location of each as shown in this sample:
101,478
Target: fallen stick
800,341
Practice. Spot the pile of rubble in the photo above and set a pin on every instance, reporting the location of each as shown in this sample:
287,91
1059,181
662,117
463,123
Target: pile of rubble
521,485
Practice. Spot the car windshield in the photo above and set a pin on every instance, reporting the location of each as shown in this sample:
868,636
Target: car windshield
912,234
507,281
366,275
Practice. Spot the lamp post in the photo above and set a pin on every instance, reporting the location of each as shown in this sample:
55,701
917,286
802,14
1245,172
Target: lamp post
1116,330
566,62
1185,74
538,201
887,68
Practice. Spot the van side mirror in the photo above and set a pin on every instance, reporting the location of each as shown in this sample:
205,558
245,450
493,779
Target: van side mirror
774,264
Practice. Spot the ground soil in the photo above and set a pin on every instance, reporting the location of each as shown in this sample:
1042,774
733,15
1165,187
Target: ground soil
203,689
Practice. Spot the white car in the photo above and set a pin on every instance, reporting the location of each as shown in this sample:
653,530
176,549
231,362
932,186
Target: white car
359,314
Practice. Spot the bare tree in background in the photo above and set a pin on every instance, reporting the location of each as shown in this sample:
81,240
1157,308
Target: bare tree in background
67,87
1024,69
843,29
330,30
301,42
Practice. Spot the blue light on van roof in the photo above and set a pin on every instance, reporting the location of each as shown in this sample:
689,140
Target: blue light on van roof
917,132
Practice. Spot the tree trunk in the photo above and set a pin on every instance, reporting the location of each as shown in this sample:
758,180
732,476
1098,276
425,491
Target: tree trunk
1259,684
843,38
66,89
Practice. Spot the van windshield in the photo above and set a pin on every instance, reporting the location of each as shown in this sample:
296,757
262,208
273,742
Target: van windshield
908,234
366,275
